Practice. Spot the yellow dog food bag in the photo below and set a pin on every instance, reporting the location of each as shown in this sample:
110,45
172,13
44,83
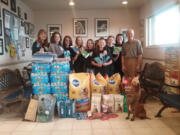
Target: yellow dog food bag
79,89
98,84
113,86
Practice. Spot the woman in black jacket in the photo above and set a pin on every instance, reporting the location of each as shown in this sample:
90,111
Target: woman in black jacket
41,44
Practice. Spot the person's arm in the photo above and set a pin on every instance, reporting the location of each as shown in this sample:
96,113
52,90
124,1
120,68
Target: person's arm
116,57
123,65
107,63
139,57
64,59
139,63
96,64
75,57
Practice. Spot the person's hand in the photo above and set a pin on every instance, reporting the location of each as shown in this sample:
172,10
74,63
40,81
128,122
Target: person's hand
137,68
104,64
42,50
105,52
67,59
99,65
123,68
117,53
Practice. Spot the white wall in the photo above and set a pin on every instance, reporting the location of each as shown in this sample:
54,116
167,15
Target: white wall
150,8
5,59
122,18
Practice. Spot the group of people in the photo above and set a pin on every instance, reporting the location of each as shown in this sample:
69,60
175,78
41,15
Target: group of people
100,56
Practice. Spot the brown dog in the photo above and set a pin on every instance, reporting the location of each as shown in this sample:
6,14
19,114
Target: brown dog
133,101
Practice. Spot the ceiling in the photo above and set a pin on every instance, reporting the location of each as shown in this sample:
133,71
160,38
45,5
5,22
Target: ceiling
81,4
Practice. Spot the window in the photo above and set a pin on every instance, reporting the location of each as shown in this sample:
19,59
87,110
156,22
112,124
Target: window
164,27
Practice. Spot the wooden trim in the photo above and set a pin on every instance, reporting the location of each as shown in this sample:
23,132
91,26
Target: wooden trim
154,59
14,63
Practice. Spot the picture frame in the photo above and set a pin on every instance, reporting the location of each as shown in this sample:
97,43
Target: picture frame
27,42
25,16
0,12
0,27
101,27
13,5
123,31
26,28
51,28
19,12
5,2
1,47
31,30
80,27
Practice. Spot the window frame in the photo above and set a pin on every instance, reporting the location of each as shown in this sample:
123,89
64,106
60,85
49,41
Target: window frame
147,28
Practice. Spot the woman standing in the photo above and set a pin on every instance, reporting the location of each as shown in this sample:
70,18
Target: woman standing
102,59
117,54
79,60
56,47
41,44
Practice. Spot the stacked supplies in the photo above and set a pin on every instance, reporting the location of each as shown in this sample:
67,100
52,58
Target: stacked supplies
40,78
45,57
59,80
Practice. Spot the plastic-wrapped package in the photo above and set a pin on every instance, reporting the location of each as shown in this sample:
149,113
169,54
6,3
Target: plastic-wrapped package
61,96
66,108
46,105
39,78
41,88
41,68
59,88
60,67
59,77
45,57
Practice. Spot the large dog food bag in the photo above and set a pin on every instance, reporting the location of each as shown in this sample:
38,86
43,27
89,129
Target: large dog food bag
96,103
113,86
79,89
98,84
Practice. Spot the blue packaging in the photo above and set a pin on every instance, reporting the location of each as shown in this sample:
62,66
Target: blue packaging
59,88
61,96
41,68
61,106
41,88
39,78
66,108
59,77
60,67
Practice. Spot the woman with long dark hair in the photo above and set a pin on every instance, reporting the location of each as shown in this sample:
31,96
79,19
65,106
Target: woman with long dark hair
41,44
117,54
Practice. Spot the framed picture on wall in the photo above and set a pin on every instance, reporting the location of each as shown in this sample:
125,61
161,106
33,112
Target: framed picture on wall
27,42
19,12
80,27
124,31
51,28
0,12
5,2
25,16
13,5
101,27
0,27
1,47
26,28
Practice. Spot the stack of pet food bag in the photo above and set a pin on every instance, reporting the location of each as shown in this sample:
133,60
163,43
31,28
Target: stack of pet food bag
96,93
41,68
106,95
50,84
59,86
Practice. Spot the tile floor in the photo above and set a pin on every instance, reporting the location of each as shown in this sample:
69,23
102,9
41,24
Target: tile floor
169,124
